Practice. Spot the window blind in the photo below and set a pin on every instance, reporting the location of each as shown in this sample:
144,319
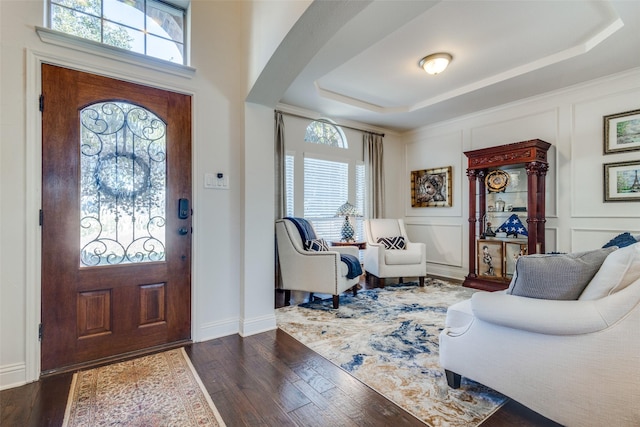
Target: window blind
326,188
288,183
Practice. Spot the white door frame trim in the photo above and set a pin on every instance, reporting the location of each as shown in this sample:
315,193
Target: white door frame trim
33,199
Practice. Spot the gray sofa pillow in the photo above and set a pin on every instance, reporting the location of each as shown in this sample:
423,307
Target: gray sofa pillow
556,276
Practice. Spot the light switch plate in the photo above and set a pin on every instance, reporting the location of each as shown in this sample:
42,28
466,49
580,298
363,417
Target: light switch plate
211,180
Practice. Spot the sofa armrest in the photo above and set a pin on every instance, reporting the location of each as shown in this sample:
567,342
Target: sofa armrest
418,247
375,251
550,317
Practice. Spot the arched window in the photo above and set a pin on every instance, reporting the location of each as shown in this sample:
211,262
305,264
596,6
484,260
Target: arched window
324,132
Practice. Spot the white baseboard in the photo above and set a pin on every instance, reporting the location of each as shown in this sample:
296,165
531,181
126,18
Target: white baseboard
258,325
213,330
244,328
445,271
12,375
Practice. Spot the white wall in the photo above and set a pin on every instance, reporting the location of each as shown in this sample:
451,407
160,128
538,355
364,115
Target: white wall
269,21
232,292
257,238
571,120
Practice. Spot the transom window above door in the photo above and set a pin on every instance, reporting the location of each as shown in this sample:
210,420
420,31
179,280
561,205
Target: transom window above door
149,27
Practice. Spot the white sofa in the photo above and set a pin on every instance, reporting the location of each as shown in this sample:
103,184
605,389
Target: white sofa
576,362
309,271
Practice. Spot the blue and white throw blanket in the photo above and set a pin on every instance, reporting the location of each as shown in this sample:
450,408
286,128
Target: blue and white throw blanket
307,233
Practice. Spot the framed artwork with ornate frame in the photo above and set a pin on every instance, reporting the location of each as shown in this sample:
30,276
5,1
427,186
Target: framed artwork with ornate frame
431,188
490,258
622,132
622,181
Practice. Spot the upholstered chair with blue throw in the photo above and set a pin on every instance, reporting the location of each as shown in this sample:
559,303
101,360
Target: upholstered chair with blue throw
390,253
309,264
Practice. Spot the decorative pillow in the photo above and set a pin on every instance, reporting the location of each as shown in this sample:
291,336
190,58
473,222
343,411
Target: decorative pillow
316,245
620,269
393,242
556,276
621,240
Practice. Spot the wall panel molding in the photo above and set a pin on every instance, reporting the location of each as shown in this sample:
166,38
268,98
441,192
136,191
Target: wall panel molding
444,241
583,238
587,175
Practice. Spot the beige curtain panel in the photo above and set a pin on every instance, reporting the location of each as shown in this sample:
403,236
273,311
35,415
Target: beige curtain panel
374,172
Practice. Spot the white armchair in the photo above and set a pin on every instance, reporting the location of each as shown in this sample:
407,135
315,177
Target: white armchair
310,271
577,362
384,263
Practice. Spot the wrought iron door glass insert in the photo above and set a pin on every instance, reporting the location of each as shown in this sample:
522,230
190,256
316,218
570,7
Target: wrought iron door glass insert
123,181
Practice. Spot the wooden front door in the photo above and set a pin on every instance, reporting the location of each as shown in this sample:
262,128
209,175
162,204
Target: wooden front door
116,220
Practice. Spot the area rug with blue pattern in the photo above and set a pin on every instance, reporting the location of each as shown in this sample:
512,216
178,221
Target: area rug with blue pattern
388,339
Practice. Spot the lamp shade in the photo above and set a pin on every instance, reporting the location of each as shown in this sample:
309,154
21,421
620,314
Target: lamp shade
347,209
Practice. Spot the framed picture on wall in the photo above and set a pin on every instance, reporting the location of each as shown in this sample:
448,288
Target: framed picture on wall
490,258
622,132
622,181
431,187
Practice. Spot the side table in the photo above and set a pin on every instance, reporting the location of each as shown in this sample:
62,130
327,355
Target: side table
359,245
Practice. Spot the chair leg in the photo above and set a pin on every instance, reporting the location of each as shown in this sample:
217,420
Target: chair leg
453,379
310,296
400,280
287,297
373,281
421,281
355,290
336,301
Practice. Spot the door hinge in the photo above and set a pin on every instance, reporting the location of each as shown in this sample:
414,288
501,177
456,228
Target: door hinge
40,332
40,217
41,103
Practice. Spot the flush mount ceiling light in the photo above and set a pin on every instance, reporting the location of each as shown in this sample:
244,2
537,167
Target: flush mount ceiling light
435,63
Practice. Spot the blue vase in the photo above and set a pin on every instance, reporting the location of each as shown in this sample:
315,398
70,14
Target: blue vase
347,231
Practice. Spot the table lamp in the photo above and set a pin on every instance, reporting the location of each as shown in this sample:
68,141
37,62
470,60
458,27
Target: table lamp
347,210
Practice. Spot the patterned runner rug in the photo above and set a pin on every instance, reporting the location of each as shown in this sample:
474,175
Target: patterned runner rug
388,339
157,390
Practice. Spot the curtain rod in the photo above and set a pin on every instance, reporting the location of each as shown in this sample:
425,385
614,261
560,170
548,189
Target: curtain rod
326,121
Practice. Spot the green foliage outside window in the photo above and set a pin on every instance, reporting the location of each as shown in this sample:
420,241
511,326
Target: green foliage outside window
87,26
149,27
321,132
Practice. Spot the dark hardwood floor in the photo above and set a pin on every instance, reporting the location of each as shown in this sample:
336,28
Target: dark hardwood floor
268,379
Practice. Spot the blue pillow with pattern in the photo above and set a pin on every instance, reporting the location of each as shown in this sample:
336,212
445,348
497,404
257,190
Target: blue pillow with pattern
621,240
396,242
316,245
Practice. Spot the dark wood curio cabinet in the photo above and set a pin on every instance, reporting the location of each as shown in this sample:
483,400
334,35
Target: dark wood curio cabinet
506,183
